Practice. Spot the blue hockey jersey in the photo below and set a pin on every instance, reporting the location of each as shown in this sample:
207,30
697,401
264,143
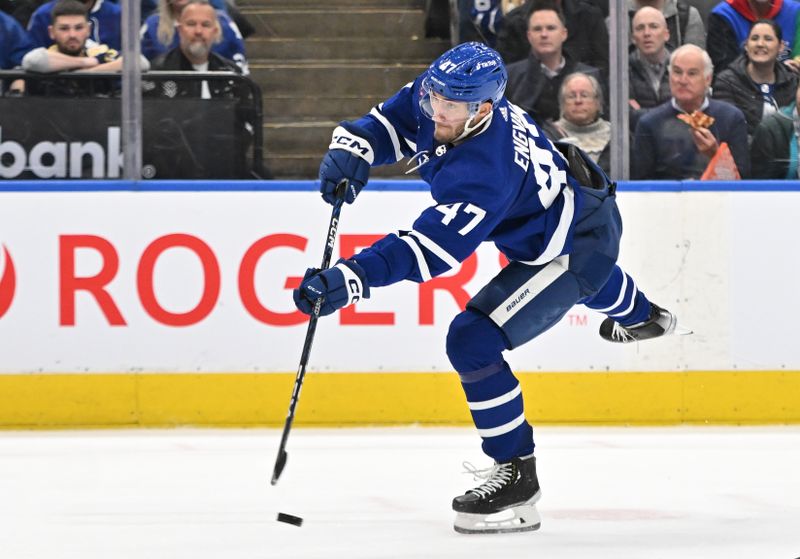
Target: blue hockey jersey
506,183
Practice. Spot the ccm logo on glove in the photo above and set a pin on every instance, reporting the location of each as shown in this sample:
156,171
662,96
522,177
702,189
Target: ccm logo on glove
342,139
342,285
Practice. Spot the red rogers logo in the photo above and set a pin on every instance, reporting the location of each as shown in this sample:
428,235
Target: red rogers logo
8,283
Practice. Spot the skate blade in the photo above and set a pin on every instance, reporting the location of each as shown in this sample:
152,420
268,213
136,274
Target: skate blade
522,518
682,331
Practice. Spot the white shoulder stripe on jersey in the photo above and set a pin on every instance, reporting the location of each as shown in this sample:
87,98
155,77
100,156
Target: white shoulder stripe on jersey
441,253
422,264
412,145
559,238
499,401
389,130
621,295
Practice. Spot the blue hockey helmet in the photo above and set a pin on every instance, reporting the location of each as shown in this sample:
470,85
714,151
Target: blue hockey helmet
470,72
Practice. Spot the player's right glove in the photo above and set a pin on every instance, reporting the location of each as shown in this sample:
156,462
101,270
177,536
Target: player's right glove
349,157
339,286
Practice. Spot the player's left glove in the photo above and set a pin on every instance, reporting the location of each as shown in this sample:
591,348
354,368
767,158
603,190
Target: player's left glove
339,286
349,157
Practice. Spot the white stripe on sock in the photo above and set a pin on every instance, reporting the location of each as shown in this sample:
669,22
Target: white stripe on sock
495,402
502,429
621,295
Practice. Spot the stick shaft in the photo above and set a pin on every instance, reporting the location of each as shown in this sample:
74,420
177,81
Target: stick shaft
327,254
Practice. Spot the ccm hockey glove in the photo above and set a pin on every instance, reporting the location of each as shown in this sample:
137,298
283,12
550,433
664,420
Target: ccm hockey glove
342,285
349,157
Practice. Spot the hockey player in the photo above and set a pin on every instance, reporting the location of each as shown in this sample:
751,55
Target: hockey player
494,177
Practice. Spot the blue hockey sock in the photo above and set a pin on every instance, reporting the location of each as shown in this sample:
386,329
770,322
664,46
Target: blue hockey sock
620,300
475,347
495,403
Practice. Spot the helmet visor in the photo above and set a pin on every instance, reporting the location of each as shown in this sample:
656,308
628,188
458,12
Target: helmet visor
443,110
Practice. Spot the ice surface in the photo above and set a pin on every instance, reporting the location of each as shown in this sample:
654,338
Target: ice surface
385,493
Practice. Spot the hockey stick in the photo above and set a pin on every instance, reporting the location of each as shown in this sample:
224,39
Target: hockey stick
280,461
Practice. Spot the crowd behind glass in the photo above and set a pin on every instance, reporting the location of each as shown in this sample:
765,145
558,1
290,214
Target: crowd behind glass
718,87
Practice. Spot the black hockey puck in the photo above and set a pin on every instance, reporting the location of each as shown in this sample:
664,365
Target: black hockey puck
290,519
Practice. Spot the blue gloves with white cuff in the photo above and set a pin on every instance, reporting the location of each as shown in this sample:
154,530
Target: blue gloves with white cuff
343,284
349,157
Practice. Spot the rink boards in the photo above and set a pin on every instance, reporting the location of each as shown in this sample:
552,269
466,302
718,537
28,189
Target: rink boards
171,304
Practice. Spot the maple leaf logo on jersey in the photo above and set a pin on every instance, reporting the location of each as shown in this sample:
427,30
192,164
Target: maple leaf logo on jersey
8,282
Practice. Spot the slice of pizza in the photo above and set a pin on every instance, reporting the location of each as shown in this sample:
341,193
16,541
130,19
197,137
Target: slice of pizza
698,119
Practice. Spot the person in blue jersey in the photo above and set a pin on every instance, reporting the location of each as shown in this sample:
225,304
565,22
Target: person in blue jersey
14,42
105,21
158,34
494,176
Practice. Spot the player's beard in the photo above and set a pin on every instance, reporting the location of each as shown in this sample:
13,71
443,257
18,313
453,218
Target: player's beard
445,134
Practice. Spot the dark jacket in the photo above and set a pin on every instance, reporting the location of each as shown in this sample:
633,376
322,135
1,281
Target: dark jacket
770,150
176,61
639,89
735,86
537,94
587,39
664,149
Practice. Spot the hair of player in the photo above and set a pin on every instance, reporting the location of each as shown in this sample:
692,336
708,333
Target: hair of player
598,91
708,66
542,5
68,8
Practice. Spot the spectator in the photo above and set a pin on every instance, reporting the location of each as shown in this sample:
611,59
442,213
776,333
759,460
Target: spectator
581,103
756,82
14,42
198,29
488,17
587,39
72,50
104,24
774,148
648,86
666,147
682,20
158,34
533,83
730,21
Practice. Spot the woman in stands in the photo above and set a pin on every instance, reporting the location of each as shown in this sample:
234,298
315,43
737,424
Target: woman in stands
158,34
756,82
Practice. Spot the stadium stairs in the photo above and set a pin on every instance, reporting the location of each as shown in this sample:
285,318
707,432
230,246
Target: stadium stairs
320,62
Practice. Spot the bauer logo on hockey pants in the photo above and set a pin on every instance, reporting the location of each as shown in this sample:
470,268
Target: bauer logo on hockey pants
518,299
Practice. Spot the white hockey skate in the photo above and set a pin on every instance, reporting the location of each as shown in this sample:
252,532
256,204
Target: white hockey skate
505,502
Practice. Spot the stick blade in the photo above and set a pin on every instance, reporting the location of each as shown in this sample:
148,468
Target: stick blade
280,464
